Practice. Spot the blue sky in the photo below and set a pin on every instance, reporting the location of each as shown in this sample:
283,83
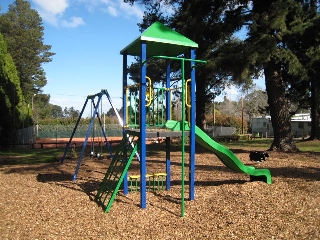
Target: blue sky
87,37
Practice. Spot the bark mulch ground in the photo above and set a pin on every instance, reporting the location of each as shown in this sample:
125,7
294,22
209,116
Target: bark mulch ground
41,202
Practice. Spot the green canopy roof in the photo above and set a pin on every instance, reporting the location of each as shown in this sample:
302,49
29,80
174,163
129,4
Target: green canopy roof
160,40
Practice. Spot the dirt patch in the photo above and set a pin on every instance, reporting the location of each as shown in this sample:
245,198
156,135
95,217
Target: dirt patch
41,202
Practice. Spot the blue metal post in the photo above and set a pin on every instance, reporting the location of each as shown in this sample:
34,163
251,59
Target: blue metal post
74,131
86,139
183,137
124,111
168,117
102,128
142,97
192,127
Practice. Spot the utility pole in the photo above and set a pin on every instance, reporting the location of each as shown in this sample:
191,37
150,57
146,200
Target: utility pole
241,115
214,114
32,102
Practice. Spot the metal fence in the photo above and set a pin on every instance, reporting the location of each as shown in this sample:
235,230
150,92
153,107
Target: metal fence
65,131
30,134
219,131
25,135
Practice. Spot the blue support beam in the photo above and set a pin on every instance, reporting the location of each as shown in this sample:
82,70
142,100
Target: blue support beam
124,111
168,117
87,136
143,122
74,131
192,127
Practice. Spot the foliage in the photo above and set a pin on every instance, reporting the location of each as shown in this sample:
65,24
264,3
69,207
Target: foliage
253,104
14,112
71,113
227,121
56,111
278,45
70,120
256,104
305,91
208,23
270,34
22,29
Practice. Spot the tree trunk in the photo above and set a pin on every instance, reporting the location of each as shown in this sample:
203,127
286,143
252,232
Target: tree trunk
200,101
315,110
279,109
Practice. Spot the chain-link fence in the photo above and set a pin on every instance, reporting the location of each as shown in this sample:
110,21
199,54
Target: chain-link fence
25,135
218,131
30,134
65,131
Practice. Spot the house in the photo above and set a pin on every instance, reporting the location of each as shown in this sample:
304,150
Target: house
300,125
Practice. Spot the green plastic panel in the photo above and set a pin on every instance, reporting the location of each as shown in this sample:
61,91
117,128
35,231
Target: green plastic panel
160,40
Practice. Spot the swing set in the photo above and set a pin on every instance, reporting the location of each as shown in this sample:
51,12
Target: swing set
93,153
96,112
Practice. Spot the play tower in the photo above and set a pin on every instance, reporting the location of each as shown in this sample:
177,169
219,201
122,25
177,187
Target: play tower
161,42
158,42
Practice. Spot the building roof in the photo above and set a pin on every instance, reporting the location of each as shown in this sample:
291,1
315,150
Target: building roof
161,41
300,117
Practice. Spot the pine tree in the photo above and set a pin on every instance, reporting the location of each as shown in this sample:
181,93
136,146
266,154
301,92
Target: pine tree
22,29
305,45
14,111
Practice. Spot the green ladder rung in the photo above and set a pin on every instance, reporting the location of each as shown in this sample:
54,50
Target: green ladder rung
116,159
125,170
108,186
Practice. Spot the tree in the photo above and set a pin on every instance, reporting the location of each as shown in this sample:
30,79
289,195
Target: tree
71,113
270,34
22,29
267,49
14,112
256,103
56,111
111,113
307,90
208,23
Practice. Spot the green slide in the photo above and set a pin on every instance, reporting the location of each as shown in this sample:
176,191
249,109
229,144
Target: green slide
224,154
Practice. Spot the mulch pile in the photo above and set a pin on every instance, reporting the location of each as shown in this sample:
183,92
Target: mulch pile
41,202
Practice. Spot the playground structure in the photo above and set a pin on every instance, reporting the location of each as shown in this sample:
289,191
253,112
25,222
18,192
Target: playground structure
147,114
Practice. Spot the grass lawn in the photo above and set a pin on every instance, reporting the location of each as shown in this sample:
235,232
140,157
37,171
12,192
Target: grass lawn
29,156
263,144
35,156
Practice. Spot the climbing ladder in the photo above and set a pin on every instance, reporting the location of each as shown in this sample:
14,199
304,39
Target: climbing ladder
116,172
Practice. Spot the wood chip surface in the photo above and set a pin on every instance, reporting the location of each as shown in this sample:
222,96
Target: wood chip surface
41,202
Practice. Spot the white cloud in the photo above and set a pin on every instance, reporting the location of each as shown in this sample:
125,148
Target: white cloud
48,17
53,12
114,8
112,11
133,10
73,23
52,7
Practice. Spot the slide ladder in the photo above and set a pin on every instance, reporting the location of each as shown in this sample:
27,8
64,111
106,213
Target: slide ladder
116,172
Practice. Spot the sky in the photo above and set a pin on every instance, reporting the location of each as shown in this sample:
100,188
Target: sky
87,37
